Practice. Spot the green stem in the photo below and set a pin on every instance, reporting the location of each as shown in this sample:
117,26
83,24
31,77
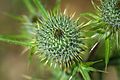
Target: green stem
117,39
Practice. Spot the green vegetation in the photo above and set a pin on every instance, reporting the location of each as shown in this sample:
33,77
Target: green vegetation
63,42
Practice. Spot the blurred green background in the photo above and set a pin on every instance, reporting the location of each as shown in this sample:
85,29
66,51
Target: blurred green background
13,65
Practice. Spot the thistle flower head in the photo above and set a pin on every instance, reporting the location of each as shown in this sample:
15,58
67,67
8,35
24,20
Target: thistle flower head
59,39
111,12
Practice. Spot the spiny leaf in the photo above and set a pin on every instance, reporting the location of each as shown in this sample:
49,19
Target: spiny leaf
90,15
107,51
84,73
29,6
40,7
13,41
92,69
91,63
87,66
13,16
73,73
21,36
32,51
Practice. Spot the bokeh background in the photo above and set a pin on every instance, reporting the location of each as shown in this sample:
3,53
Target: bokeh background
13,64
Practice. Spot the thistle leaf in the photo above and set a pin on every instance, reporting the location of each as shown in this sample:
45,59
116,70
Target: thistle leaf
84,73
91,63
107,51
90,15
117,39
13,41
40,7
29,6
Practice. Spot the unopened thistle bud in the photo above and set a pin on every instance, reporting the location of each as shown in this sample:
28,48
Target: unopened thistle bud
60,40
111,12
58,37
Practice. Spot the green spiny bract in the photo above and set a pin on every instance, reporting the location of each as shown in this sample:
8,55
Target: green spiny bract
60,40
111,12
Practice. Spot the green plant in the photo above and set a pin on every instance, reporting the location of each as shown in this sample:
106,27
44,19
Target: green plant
60,40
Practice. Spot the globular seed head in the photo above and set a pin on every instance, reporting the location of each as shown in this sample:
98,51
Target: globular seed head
111,12
59,39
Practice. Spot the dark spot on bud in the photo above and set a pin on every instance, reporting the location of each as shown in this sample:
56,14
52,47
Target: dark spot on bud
58,33
118,4
35,19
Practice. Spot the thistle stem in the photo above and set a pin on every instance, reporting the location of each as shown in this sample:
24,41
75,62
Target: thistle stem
117,39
